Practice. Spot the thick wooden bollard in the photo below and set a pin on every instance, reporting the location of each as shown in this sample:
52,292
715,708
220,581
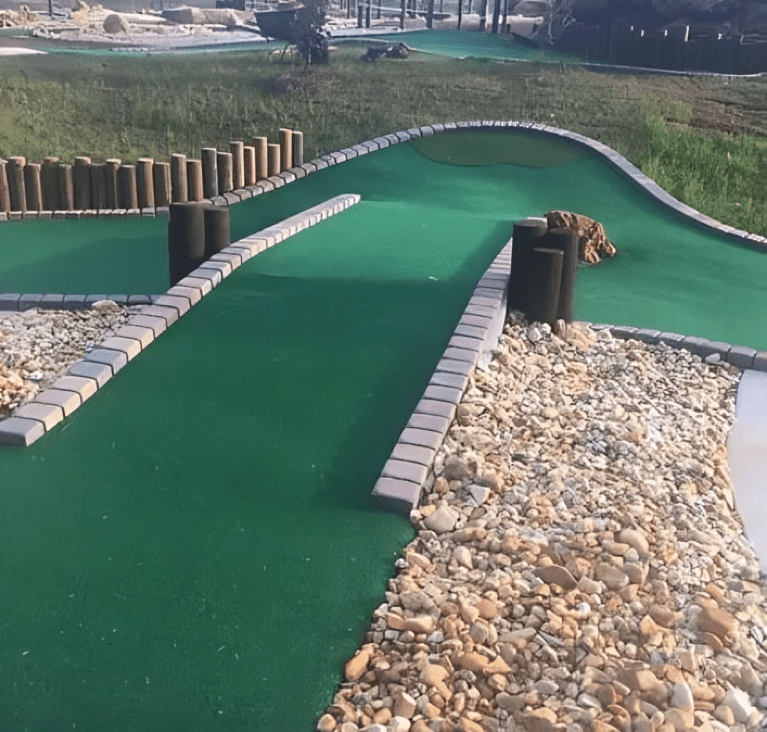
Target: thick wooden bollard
543,285
178,183
217,229
82,183
33,187
274,160
5,194
99,188
66,176
566,240
224,163
208,155
161,178
49,183
262,157
286,149
249,156
17,190
196,191
527,234
144,182
236,147
186,239
110,176
298,148
126,178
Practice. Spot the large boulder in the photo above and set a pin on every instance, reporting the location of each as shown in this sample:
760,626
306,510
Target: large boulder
115,23
593,243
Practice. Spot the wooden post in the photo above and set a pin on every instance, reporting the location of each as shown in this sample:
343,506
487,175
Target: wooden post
161,179
482,15
402,15
496,15
224,163
144,183
367,13
178,184
126,177
112,186
298,148
505,13
66,177
99,187
186,239
49,183
209,172
359,13
249,155
236,147
82,183
527,234
460,13
18,194
217,229
32,187
430,13
5,194
262,158
286,149
274,160
196,190
565,240
544,283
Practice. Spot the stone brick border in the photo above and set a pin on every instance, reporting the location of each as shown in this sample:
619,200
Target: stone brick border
32,420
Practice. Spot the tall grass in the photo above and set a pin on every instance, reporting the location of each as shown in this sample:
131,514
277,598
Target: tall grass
152,106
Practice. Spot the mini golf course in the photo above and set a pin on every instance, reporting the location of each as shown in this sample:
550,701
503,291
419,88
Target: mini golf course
193,548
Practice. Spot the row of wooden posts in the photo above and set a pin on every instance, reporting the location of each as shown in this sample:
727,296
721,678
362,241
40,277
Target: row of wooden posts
55,186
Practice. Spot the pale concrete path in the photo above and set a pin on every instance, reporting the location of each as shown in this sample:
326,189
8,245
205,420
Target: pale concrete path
747,458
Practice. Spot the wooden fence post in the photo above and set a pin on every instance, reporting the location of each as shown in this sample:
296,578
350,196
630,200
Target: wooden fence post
238,164
208,155
196,190
274,160
5,194
224,163
161,176
66,176
16,187
178,184
50,185
298,148
126,176
262,157
112,186
32,187
144,183
543,286
99,187
286,149
249,156
82,183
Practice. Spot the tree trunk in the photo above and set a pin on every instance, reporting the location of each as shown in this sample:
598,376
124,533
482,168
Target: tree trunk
402,14
430,14
482,14
496,15
460,12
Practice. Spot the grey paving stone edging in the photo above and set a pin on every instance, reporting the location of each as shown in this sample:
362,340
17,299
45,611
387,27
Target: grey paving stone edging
83,379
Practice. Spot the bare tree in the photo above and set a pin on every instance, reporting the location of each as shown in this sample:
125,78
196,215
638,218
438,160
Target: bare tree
560,17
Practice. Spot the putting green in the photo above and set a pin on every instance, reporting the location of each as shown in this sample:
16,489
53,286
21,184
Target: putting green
192,549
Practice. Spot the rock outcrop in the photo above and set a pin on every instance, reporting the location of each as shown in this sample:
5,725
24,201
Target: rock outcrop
593,243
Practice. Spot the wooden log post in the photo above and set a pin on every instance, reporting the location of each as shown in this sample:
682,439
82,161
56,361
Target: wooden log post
178,183
50,184
249,156
224,163
217,229
543,286
186,239
5,194
430,13
126,178
274,160
82,183
66,176
527,234
161,176
496,15
18,194
236,148
33,187
145,183
196,190
298,148
209,172
460,12
110,175
286,149
99,187
565,240
403,7
262,157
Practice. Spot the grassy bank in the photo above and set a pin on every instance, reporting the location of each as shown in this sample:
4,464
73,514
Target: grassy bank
704,140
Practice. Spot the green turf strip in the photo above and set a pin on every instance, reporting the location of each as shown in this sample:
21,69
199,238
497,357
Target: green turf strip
192,549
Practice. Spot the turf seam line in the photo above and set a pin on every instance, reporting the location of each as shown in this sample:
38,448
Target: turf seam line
29,422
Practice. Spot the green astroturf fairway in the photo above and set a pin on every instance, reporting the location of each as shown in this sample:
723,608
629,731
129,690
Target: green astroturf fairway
468,44
192,550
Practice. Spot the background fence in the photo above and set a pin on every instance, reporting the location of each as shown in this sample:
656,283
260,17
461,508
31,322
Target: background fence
671,49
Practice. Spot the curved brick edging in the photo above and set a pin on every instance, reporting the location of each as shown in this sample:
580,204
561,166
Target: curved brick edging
32,420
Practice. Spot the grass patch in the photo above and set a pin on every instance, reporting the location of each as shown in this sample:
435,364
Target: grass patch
678,131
